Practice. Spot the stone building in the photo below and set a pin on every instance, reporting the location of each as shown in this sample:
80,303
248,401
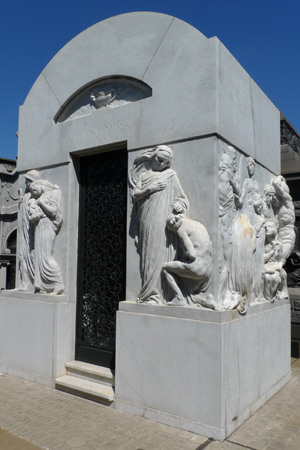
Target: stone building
290,169
8,222
144,152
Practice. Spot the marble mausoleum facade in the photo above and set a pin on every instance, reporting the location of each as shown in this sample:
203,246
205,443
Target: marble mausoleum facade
153,228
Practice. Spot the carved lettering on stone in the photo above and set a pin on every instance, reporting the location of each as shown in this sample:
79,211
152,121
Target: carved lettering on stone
41,220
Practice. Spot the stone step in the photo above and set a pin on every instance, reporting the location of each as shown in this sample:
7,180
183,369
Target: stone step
90,372
98,392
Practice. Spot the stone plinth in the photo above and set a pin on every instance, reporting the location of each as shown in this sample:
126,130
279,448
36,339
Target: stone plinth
35,335
200,370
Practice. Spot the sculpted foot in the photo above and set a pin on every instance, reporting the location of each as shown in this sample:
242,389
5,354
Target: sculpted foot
178,301
21,288
208,301
231,300
57,291
243,306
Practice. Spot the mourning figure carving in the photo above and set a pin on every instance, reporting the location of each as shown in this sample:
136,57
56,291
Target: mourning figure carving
190,277
228,191
26,235
257,236
154,186
176,254
41,220
275,276
258,257
249,189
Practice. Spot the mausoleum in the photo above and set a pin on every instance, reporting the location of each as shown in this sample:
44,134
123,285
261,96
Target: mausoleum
153,228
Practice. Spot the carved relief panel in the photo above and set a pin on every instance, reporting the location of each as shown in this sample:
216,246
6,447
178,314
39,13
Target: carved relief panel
40,220
110,92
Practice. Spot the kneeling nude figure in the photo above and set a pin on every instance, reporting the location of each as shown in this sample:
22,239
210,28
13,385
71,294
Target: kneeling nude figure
197,268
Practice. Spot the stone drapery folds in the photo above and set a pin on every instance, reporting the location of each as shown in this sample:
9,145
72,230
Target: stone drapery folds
256,235
40,222
257,239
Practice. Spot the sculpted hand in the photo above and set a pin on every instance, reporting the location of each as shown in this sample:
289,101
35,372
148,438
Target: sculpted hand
158,186
237,200
178,208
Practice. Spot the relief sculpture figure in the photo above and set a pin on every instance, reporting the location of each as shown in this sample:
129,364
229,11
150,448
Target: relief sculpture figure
258,257
269,193
228,191
243,245
195,268
250,188
285,216
26,236
154,188
44,209
275,276
45,212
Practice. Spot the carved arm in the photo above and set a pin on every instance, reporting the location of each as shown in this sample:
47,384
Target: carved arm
279,183
48,204
187,244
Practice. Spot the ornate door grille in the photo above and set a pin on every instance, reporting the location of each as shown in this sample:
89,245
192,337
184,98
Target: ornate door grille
102,254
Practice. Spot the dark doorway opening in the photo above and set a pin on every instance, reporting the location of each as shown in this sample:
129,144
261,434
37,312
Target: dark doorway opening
101,254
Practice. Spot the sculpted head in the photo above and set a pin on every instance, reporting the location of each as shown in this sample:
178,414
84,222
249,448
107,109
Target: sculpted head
162,158
228,159
250,166
31,176
270,229
258,203
276,201
36,189
269,193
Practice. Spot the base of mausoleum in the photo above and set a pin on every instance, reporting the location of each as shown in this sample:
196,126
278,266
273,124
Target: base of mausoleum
36,333
200,370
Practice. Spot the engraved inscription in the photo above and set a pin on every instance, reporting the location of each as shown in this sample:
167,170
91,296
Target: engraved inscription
98,129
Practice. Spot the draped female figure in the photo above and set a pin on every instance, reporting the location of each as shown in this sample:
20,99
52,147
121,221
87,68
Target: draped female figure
45,211
154,188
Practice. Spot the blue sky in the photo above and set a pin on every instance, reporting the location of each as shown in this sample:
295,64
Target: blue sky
263,35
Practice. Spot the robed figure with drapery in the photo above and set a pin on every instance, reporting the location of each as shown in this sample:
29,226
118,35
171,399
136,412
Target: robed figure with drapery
154,188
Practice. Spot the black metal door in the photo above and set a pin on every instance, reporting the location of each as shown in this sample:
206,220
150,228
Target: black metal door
101,254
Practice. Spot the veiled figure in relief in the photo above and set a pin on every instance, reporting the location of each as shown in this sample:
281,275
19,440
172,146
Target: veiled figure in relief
269,193
243,244
258,257
275,276
26,236
241,274
228,189
190,277
154,188
249,189
45,212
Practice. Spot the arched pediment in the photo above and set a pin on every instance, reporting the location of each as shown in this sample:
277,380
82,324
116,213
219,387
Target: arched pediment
108,92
